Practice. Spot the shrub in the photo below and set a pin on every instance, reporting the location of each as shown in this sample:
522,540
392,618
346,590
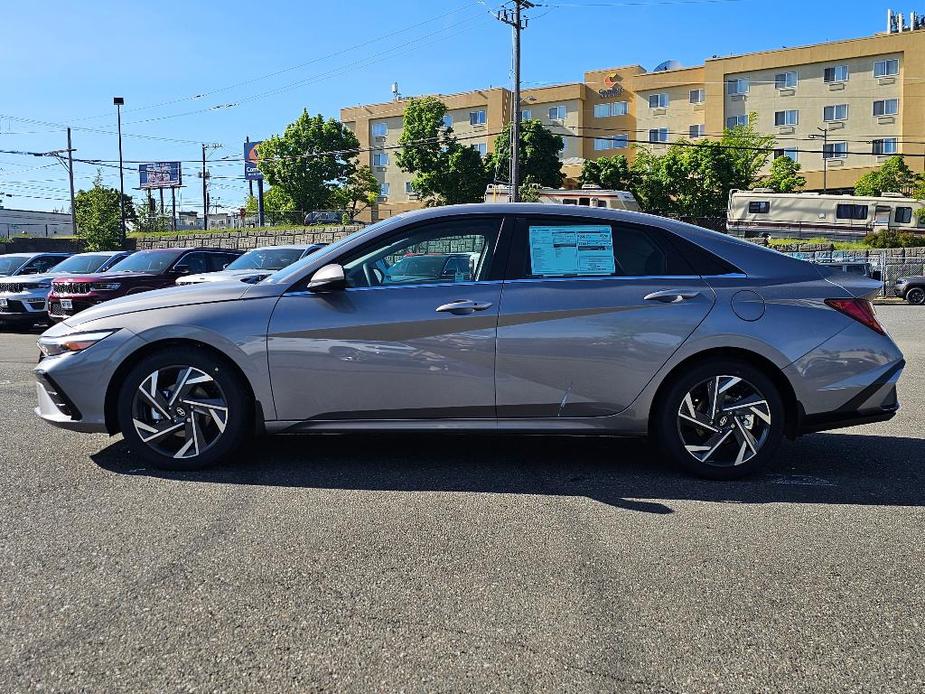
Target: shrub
890,238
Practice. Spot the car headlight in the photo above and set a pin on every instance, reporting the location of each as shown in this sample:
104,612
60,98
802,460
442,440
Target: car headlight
75,342
44,285
105,286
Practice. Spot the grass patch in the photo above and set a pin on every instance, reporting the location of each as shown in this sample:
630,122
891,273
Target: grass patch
838,245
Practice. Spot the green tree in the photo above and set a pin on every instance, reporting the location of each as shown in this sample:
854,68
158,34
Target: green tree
309,160
359,191
444,171
99,217
539,154
785,176
147,219
612,173
279,208
893,176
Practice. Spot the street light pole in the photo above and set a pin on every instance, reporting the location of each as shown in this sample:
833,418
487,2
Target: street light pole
119,102
825,159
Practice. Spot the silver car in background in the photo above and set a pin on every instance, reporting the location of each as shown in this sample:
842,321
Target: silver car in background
571,320
24,298
255,265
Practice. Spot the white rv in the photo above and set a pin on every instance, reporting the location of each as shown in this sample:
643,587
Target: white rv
587,197
757,212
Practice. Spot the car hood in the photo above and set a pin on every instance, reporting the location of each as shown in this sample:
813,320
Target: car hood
107,276
160,298
225,276
27,279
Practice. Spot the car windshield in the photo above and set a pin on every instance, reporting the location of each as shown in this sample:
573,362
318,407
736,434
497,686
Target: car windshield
266,259
81,263
10,265
146,261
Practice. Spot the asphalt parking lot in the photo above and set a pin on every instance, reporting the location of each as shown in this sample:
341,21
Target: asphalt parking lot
462,563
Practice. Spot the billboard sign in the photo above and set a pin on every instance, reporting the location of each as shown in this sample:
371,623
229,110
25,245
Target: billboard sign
251,158
162,174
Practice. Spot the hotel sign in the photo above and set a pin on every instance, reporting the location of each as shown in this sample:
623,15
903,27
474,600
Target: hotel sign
611,87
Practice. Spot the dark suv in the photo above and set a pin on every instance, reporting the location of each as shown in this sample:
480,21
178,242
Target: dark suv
912,289
140,272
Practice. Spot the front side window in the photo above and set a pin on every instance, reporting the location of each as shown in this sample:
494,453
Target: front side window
836,112
477,117
456,250
555,248
658,100
886,68
837,73
886,107
785,80
42,264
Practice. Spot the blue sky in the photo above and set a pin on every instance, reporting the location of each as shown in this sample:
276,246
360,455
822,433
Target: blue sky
179,64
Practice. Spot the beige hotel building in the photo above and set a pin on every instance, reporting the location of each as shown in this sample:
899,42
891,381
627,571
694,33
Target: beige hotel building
868,94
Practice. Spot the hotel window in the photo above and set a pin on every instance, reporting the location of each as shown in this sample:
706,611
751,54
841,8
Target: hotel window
695,131
886,68
790,153
839,73
481,148
696,96
384,190
787,117
835,113
448,121
835,150
380,129
737,86
658,135
886,145
658,100
785,80
409,188
476,117
616,142
380,159
736,121
617,108
886,107
526,114
556,112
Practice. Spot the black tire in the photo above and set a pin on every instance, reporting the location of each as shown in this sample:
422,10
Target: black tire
238,415
916,296
670,426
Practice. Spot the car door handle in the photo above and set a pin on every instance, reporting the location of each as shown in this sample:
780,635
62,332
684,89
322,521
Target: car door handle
671,296
461,307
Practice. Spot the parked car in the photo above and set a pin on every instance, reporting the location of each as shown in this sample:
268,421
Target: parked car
140,272
611,322
912,289
255,265
323,217
12,264
23,299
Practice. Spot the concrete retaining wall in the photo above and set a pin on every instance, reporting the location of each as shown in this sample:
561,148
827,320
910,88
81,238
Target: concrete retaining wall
245,239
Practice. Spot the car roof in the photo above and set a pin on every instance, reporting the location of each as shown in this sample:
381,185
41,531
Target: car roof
34,255
285,247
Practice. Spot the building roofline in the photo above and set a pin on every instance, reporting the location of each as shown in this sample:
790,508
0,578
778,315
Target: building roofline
856,39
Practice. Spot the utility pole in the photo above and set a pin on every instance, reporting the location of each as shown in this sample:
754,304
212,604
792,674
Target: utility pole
205,192
70,176
825,159
119,102
514,20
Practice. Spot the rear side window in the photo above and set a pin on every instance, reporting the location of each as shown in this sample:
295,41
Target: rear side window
218,261
846,211
557,247
759,207
43,263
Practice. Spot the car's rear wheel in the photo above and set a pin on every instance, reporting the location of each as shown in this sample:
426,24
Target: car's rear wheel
183,409
916,296
721,419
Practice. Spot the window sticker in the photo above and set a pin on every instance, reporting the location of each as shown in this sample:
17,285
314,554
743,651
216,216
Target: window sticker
572,250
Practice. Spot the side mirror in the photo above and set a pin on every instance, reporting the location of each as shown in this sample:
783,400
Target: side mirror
329,278
181,269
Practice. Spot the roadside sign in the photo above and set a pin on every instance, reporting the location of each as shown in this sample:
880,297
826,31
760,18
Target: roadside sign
251,158
161,174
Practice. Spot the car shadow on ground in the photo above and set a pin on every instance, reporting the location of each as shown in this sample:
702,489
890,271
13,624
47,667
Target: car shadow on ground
829,468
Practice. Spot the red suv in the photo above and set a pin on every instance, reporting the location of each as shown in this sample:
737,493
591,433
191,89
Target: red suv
140,272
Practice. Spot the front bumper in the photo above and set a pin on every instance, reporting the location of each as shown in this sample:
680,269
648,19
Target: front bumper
78,304
900,290
23,306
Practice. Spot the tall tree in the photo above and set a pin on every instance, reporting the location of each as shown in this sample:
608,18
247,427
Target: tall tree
612,173
539,154
444,170
99,217
893,176
785,176
309,160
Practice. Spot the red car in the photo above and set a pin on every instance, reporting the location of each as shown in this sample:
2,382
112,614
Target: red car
140,272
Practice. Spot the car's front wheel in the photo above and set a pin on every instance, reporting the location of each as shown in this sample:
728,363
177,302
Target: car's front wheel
183,409
916,296
721,419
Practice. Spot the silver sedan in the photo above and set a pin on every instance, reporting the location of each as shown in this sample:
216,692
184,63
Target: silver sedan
561,320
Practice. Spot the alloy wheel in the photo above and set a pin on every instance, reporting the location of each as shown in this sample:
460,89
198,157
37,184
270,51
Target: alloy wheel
724,421
179,411
916,296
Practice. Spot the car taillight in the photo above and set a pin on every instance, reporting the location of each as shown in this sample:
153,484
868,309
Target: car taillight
860,309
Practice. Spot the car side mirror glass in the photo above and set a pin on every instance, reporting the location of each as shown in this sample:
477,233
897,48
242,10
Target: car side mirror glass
181,269
329,278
